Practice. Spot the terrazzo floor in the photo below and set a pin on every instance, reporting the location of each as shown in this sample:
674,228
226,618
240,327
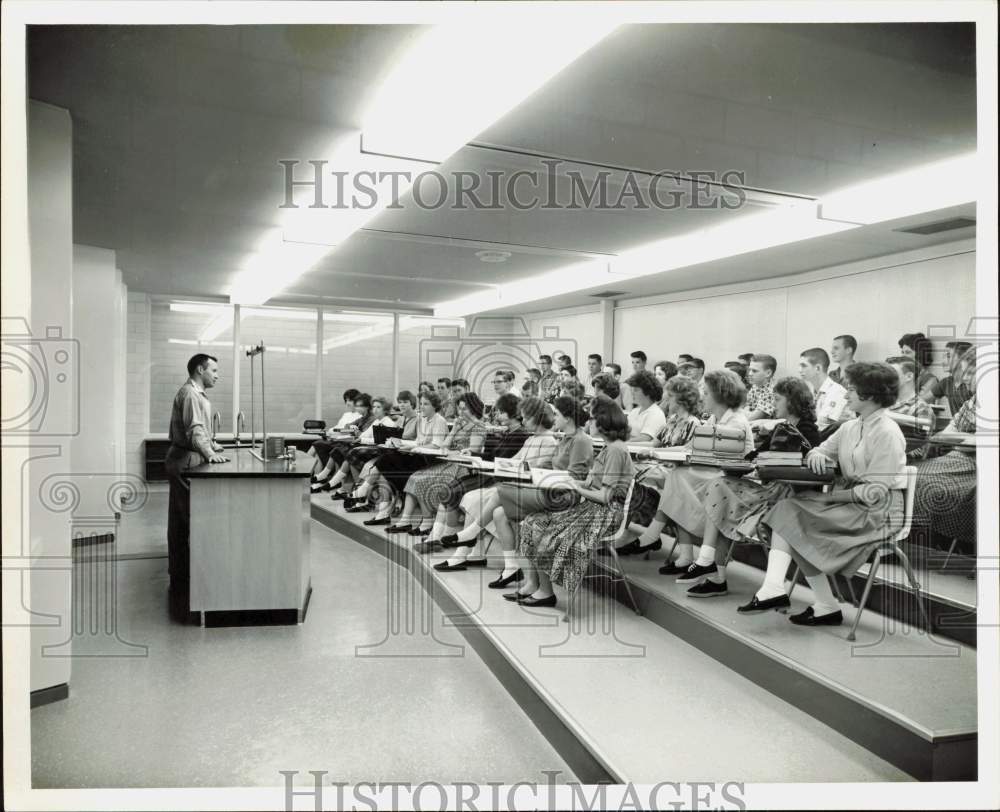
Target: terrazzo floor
233,706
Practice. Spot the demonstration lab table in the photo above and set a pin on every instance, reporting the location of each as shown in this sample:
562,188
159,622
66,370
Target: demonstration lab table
250,540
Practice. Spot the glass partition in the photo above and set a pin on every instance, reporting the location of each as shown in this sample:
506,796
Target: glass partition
357,354
179,330
289,337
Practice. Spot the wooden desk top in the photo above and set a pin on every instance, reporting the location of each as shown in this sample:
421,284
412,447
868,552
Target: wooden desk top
243,464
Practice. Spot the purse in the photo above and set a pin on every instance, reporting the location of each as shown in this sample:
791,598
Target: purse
786,437
382,433
724,440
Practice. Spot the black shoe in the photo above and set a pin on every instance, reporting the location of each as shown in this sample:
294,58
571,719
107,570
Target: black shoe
319,487
349,502
376,522
673,569
515,596
708,589
648,548
808,618
422,532
696,572
359,509
444,566
475,562
449,540
339,496
543,602
399,528
428,546
501,582
756,605
628,549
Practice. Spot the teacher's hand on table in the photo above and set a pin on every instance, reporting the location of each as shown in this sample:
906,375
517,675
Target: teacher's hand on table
218,458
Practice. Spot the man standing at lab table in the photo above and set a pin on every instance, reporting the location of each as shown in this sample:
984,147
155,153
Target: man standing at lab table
191,445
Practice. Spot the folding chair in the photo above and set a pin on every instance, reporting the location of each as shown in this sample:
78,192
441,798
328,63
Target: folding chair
617,574
888,546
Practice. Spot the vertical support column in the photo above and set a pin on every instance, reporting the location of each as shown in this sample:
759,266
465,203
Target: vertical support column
318,412
236,367
395,355
608,330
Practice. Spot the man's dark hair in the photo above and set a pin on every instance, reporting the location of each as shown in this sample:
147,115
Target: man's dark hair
698,363
595,357
570,369
547,358
817,355
445,381
460,382
199,360
685,357
768,361
849,341
616,367
638,354
350,394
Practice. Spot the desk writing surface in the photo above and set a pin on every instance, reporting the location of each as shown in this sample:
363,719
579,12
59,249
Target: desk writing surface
244,464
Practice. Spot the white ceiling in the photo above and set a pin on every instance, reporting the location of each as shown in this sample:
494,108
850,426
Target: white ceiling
178,131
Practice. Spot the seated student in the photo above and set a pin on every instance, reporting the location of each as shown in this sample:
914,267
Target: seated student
684,486
908,403
683,405
945,492
950,387
531,443
595,365
443,390
698,373
615,371
827,533
567,375
918,347
573,453
735,505
558,544
362,460
503,381
831,399
321,448
443,482
424,386
842,353
529,390
760,395
533,375
340,454
684,358
606,385
396,467
459,386
646,419
638,361
572,389
664,371
332,452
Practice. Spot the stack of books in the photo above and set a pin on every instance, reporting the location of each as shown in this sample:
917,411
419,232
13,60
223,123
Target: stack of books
765,458
731,461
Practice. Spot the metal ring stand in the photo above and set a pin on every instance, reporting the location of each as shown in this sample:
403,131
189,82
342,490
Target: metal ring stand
252,353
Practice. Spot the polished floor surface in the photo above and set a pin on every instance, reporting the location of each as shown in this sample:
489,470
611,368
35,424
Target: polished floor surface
163,705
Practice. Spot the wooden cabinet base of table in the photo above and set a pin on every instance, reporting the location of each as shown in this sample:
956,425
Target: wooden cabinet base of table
250,541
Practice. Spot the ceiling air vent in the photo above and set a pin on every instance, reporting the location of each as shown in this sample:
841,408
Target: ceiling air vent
608,294
937,228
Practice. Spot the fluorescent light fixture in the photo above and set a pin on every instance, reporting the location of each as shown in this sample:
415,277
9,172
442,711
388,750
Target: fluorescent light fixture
445,89
456,80
203,308
739,235
930,187
376,330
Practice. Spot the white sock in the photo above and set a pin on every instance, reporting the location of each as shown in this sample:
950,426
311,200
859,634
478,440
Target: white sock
706,556
362,491
337,479
824,602
509,563
685,554
437,530
384,510
719,576
774,579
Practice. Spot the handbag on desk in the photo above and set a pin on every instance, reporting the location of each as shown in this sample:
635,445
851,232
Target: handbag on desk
723,440
382,433
785,437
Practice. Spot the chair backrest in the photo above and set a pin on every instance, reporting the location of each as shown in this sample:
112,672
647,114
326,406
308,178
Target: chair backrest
628,502
910,472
